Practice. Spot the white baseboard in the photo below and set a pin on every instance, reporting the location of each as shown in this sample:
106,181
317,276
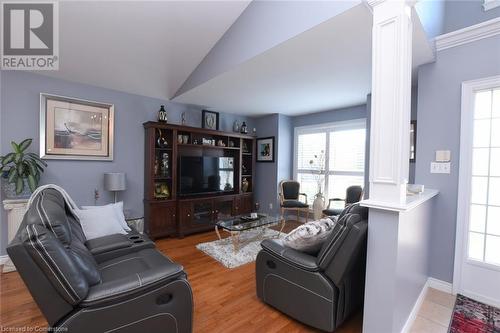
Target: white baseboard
416,308
430,283
3,259
440,285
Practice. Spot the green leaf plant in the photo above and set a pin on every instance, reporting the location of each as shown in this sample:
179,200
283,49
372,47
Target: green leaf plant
19,165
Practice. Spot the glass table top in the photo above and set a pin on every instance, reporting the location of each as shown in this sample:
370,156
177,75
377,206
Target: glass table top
238,224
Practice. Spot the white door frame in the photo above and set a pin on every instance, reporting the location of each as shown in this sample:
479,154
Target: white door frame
464,186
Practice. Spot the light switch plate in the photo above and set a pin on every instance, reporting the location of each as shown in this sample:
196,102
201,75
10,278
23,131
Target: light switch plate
443,155
440,167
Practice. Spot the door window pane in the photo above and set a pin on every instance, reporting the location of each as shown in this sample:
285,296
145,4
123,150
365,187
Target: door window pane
337,185
495,112
480,158
482,106
481,137
476,246
477,218
495,132
495,162
493,220
347,150
479,190
494,191
492,254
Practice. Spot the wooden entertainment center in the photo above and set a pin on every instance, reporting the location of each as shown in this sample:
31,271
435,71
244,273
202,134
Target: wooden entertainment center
166,212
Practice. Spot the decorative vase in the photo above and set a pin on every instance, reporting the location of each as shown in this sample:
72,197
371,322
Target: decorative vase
318,205
236,126
244,129
244,185
161,142
162,114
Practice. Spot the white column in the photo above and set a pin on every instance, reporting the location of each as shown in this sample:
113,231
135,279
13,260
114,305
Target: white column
391,99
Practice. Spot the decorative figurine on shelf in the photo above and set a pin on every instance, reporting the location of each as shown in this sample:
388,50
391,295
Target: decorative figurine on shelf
236,126
244,185
162,114
157,166
164,164
161,191
254,131
244,129
183,118
161,142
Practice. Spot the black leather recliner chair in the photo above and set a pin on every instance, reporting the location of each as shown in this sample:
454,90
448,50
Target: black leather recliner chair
319,290
114,283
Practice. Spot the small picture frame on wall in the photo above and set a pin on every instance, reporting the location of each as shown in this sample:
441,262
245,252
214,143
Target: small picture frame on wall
413,141
210,120
75,129
265,149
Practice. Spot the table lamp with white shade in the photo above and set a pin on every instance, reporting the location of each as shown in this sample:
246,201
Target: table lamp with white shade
115,182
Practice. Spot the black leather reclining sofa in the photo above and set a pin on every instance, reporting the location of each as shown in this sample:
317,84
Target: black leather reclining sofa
320,290
117,283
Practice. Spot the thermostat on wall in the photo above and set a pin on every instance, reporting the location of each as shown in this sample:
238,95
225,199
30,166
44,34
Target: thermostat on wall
443,155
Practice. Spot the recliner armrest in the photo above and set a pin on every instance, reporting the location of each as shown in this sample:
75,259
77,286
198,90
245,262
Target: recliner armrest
108,243
114,290
299,259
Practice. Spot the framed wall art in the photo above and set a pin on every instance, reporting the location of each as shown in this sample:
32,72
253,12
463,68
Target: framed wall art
75,129
210,120
265,149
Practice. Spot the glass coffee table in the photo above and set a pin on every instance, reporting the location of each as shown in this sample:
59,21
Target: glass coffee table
238,224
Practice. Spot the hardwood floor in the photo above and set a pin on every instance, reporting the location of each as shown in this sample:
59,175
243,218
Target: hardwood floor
224,299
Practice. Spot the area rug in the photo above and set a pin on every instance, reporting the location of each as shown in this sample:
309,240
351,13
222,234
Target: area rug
470,316
222,250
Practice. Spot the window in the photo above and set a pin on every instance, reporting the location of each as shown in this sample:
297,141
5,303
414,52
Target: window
484,212
342,145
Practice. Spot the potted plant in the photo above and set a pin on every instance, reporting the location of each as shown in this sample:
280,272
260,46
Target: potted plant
21,170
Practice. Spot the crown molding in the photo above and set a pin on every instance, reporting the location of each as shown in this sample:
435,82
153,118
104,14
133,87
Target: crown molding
491,4
467,35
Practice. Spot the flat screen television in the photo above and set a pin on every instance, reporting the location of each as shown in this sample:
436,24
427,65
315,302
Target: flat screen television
203,174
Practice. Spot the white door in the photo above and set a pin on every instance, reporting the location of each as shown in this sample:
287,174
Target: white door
477,250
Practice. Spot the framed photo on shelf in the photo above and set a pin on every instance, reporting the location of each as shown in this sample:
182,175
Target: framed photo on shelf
210,120
75,129
265,149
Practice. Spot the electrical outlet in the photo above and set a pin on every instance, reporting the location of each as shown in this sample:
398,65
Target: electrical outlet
270,206
440,167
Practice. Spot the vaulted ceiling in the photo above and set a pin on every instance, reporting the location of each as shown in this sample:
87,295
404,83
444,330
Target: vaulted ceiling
142,47
251,58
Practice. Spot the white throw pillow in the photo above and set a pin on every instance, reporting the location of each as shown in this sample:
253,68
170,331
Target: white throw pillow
118,207
99,222
310,236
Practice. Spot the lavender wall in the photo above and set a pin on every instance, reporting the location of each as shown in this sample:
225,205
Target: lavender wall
461,14
266,192
20,119
439,94
285,147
